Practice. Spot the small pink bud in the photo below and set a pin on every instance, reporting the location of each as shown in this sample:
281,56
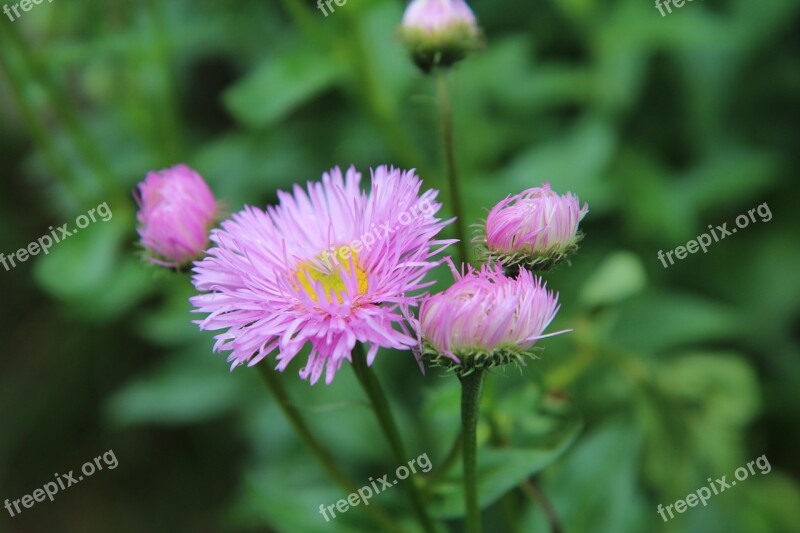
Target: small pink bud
176,211
433,16
534,229
439,32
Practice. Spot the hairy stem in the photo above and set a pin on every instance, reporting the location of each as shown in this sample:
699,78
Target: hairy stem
446,120
471,389
275,387
380,406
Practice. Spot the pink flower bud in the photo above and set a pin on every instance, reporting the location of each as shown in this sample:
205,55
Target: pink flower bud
537,227
439,32
176,212
431,16
485,319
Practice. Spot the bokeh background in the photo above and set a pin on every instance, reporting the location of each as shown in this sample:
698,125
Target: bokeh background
664,125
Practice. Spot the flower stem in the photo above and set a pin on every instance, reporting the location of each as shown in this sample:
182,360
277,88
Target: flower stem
446,120
471,388
74,127
536,494
294,417
380,406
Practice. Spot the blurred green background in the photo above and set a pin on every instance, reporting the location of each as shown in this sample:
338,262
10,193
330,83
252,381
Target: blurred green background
664,125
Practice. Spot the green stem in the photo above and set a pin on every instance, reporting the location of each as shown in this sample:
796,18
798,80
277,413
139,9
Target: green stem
536,494
378,100
471,388
380,406
446,120
164,101
294,417
37,129
307,23
63,108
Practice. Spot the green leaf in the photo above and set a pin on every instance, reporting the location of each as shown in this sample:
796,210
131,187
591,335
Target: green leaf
773,504
620,276
724,383
94,270
595,487
657,321
293,504
500,470
728,176
192,387
575,162
280,85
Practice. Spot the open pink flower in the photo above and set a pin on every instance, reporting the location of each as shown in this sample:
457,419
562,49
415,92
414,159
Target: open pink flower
486,318
176,212
329,266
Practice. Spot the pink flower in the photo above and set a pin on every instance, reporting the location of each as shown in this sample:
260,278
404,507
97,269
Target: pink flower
536,222
176,212
487,318
329,267
438,15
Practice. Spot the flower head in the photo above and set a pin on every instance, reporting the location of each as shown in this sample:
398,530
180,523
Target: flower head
485,318
329,266
176,212
439,32
534,229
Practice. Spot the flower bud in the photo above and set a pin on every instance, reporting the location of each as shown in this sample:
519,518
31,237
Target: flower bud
485,319
439,33
534,229
176,212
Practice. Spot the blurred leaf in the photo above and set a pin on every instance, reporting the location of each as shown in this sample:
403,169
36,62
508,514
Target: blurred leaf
620,276
186,389
695,417
574,162
772,504
171,324
656,321
594,488
243,167
534,87
724,384
339,415
88,270
280,85
727,177
443,403
294,503
500,470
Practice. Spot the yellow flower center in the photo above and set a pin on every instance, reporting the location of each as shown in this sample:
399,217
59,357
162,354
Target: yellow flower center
330,273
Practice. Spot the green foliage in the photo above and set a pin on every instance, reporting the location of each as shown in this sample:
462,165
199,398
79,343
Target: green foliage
663,125
499,471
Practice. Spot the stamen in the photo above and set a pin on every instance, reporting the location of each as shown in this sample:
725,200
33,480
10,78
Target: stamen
330,270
